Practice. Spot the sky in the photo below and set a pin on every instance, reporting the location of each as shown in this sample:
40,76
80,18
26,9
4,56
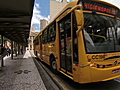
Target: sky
42,11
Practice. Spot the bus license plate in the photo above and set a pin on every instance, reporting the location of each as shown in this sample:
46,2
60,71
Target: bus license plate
116,70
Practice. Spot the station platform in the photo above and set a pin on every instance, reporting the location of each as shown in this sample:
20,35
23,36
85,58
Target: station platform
20,73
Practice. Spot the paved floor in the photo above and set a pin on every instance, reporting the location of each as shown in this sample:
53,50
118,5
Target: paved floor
20,74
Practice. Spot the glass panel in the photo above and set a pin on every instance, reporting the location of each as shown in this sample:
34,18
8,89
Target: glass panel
65,37
51,33
45,36
101,33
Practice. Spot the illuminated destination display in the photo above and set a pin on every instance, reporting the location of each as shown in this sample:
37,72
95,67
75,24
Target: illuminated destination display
99,7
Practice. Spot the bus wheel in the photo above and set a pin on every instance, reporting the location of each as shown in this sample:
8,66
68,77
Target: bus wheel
53,65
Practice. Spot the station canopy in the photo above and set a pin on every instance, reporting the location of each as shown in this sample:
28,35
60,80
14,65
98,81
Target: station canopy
15,19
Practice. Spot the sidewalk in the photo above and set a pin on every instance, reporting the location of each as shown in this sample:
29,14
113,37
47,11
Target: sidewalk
20,74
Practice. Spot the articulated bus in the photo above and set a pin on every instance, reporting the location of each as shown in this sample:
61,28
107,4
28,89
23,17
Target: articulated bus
82,41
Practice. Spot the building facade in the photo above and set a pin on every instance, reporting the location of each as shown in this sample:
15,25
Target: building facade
33,28
32,35
56,7
43,23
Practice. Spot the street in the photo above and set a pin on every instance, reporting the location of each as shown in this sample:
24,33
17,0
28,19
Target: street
68,84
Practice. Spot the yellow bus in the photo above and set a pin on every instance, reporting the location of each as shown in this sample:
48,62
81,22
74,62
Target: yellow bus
83,41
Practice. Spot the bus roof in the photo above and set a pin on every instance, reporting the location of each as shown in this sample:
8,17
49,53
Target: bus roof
75,2
70,5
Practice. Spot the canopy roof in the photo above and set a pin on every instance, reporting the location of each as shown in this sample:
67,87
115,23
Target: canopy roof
15,19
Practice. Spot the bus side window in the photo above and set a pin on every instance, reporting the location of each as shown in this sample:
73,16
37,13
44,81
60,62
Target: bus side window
37,41
44,37
51,33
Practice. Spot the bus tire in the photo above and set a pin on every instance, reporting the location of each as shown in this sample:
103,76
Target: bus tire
53,65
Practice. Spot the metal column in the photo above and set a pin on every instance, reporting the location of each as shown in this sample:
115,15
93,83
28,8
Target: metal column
2,61
11,49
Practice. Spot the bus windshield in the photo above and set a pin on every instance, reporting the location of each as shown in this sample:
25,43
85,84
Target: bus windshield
101,33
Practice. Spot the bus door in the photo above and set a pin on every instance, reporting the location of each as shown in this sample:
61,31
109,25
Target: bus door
65,44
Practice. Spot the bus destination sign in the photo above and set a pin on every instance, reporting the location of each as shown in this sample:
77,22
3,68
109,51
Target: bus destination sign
99,7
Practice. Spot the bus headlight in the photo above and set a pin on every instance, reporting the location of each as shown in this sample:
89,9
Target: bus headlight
97,65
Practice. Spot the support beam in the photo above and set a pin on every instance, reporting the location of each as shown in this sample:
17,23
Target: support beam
2,61
11,49
18,49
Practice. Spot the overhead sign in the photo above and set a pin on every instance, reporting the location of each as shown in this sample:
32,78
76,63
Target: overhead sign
99,7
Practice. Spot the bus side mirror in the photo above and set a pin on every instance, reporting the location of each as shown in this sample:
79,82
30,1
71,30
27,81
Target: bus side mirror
79,17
